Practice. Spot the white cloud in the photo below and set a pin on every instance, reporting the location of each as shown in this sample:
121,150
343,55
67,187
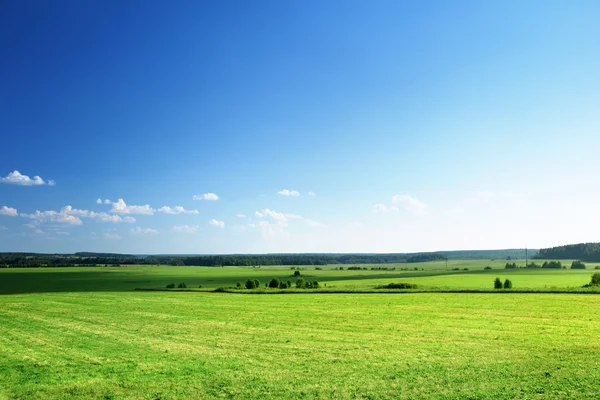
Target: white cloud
275,215
120,207
410,204
311,193
104,217
143,231
185,229
206,196
16,178
107,201
315,224
215,222
176,210
39,232
240,215
62,233
258,214
54,216
286,192
99,201
113,236
10,212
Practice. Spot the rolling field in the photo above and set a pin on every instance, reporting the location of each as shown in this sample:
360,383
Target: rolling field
152,345
434,274
85,333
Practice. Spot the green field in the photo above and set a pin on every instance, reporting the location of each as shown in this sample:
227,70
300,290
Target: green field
85,333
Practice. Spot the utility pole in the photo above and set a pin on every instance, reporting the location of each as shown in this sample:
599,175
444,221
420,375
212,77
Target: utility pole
526,257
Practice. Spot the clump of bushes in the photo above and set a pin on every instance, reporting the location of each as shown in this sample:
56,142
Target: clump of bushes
595,281
552,264
577,265
304,284
499,285
487,267
510,265
182,285
252,284
170,286
400,285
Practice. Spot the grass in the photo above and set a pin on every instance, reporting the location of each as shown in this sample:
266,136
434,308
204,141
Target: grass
431,275
85,333
152,345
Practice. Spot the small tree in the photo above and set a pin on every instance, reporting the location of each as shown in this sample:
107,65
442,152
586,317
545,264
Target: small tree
507,284
182,285
274,284
250,284
257,283
300,283
315,284
283,285
595,279
238,285
577,265
497,283
170,286
296,273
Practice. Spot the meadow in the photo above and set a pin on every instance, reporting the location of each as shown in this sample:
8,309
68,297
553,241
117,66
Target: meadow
85,333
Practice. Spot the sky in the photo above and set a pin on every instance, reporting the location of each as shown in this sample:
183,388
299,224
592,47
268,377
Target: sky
222,127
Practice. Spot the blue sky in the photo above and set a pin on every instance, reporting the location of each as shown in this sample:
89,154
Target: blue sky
330,126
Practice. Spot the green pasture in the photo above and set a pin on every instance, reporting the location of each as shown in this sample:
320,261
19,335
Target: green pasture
174,345
427,275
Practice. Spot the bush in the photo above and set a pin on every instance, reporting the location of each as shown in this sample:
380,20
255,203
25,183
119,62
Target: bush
182,285
257,283
296,273
170,286
487,267
465,269
300,283
315,284
274,284
507,284
250,284
595,279
400,285
552,264
597,267
510,265
238,285
577,265
289,284
497,283
199,286
283,285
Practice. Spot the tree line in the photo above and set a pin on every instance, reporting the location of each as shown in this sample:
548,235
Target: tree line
581,251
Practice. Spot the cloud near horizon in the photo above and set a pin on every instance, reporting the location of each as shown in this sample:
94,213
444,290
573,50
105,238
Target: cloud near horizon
120,207
206,196
176,210
16,178
286,192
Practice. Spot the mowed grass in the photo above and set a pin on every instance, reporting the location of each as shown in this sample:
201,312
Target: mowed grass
173,345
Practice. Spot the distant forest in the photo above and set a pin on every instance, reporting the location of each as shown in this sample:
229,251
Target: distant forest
93,259
581,251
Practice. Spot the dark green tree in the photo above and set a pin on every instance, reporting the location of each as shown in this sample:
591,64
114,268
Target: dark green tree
274,284
250,284
497,283
507,284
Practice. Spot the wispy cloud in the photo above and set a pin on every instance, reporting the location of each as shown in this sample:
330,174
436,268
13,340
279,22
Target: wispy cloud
10,212
206,196
410,204
16,178
54,216
280,218
286,192
312,194
143,231
120,207
176,210
112,236
185,229
240,215
218,223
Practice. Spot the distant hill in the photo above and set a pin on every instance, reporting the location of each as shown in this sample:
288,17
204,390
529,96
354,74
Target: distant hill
581,251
